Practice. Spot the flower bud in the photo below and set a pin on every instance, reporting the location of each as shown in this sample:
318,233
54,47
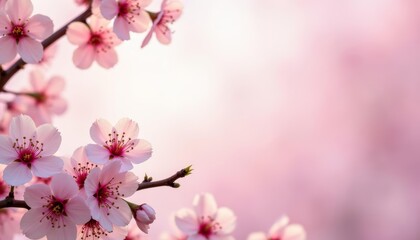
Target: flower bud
145,215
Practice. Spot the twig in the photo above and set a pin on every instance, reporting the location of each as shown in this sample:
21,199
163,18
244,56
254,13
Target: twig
170,181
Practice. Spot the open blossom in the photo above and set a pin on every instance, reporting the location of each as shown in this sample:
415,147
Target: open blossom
28,150
144,215
281,230
45,97
130,16
96,43
170,11
92,230
20,33
105,189
207,221
117,143
55,209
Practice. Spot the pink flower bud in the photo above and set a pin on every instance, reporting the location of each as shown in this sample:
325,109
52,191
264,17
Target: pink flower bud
145,215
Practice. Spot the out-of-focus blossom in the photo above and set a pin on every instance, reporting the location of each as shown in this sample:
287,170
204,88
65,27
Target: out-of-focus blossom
9,222
28,150
170,11
79,168
48,55
44,98
167,236
21,33
92,230
134,233
105,189
130,16
119,143
55,209
281,230
145,215
96,43
207,221
94,4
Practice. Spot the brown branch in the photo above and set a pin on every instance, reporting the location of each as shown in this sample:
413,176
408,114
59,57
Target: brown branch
170,181
19,64
13,203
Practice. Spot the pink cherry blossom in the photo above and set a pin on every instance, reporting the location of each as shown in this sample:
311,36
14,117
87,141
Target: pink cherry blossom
145,215
118,143
96,43
170,11
92,230
44,98
281,230
28,150
167,236
134,233
207,221
48,55
21,33
55,209
105,189
130,16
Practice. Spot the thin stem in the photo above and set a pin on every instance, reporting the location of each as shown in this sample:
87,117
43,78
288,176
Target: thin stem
12,192
170,181
5,75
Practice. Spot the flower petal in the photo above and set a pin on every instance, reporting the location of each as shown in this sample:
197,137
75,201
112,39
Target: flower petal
16,174
78,33
78,211
107,59
92,181
67,231
97,154
63,193
163,34
22,126
186,221
140,23
34,195
120,214
100,130
50,137
7,153
37,80
83,56
32,224
205,205
19,10
197,237
39,27
257,236
278,226
227,219
294,232
30,50
5,24
8,49
57,105
141,152
128,127
121,28
47,166
109,9
130,184
55,86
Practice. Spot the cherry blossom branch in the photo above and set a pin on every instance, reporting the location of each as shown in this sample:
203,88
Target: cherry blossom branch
10,201
170,181
5,75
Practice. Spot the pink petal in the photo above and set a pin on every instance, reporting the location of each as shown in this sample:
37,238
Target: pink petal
32,225
120,214
173,9
40,114
205,205
107,59
278,226
99,131
78,211
141,22
144,3
148,37
104,220
22,126
127,127
66,232
8,49
126,164
97,154
294,232
227,219
16,174
197,237
121,28
7,153
130,184
109,9
39,27
57,105
37,80
47,166
92,181
35,195
97,24
163,34
30,50
186,221
257,236
55,86
63,193
78,33
111,170
5,24
83,56
141,152
50,137
19,10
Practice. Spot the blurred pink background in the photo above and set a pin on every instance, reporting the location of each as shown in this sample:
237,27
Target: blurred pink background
297,107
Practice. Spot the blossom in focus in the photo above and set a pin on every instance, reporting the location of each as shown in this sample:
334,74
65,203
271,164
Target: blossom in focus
28,150
206,221
55,209
105,189
92,230
44,97
145,215
20,33
130,16
170,11
281,230
96,43
118,143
